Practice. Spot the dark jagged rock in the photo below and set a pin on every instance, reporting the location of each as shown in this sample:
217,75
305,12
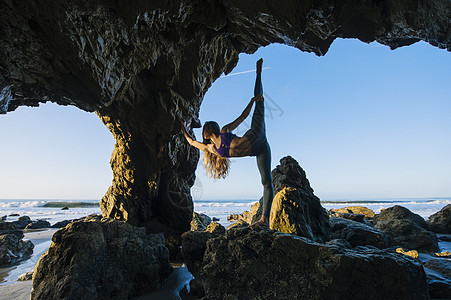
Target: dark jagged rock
62,224
238,224
339,243
200,222
9,227
440,222
439,286
101,259
350,216
13,249
22,222
406,229
142,66
261,264
216,228
441,265
357,234
193,249
38,224
295,208
398,212
174,244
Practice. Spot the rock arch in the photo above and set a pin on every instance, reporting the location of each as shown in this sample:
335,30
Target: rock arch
141,66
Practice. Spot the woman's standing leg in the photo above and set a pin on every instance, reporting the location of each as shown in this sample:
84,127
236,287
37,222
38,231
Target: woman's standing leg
263,150
264,167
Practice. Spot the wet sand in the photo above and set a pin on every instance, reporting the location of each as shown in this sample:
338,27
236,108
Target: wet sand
19,290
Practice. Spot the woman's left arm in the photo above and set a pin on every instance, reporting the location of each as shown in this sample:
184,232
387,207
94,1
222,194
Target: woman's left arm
231,126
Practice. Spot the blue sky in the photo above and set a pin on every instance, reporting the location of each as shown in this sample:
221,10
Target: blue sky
363,121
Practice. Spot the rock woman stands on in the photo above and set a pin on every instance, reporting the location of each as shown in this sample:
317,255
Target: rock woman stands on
220,144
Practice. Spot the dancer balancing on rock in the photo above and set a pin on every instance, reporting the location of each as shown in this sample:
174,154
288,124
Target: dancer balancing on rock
220,144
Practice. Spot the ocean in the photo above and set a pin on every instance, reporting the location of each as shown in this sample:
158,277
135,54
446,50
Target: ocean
51,210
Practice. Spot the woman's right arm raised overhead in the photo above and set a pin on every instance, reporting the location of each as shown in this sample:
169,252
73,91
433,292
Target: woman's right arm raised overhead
192,141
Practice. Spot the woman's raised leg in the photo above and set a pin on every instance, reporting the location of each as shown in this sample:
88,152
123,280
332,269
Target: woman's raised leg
258,118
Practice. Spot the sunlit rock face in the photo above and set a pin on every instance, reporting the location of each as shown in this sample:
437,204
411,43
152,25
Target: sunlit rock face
142,65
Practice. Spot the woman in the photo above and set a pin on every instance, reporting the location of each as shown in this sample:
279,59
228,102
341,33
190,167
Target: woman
219,145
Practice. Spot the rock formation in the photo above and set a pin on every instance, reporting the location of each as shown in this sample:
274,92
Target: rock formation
101,259
22,222
440,222
194,244
295,208
441,265
406,229
261,264
357,234
38,224
361,210
200,222
12,247
142,66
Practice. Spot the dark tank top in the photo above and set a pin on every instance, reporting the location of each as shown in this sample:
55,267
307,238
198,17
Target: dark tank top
226,139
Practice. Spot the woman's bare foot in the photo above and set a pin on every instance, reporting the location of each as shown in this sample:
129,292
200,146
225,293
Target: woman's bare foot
264,221
259,65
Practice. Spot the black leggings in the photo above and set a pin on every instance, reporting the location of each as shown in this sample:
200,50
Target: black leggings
260,148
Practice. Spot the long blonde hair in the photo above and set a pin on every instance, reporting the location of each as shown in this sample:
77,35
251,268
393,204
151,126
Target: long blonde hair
215,165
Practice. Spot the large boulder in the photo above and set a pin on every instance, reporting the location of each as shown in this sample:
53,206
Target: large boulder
101,259
255,263
406,229
194,244
357,234
440,222
295,208
13,248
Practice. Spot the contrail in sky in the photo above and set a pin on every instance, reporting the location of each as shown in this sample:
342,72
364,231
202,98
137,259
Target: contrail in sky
243,72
